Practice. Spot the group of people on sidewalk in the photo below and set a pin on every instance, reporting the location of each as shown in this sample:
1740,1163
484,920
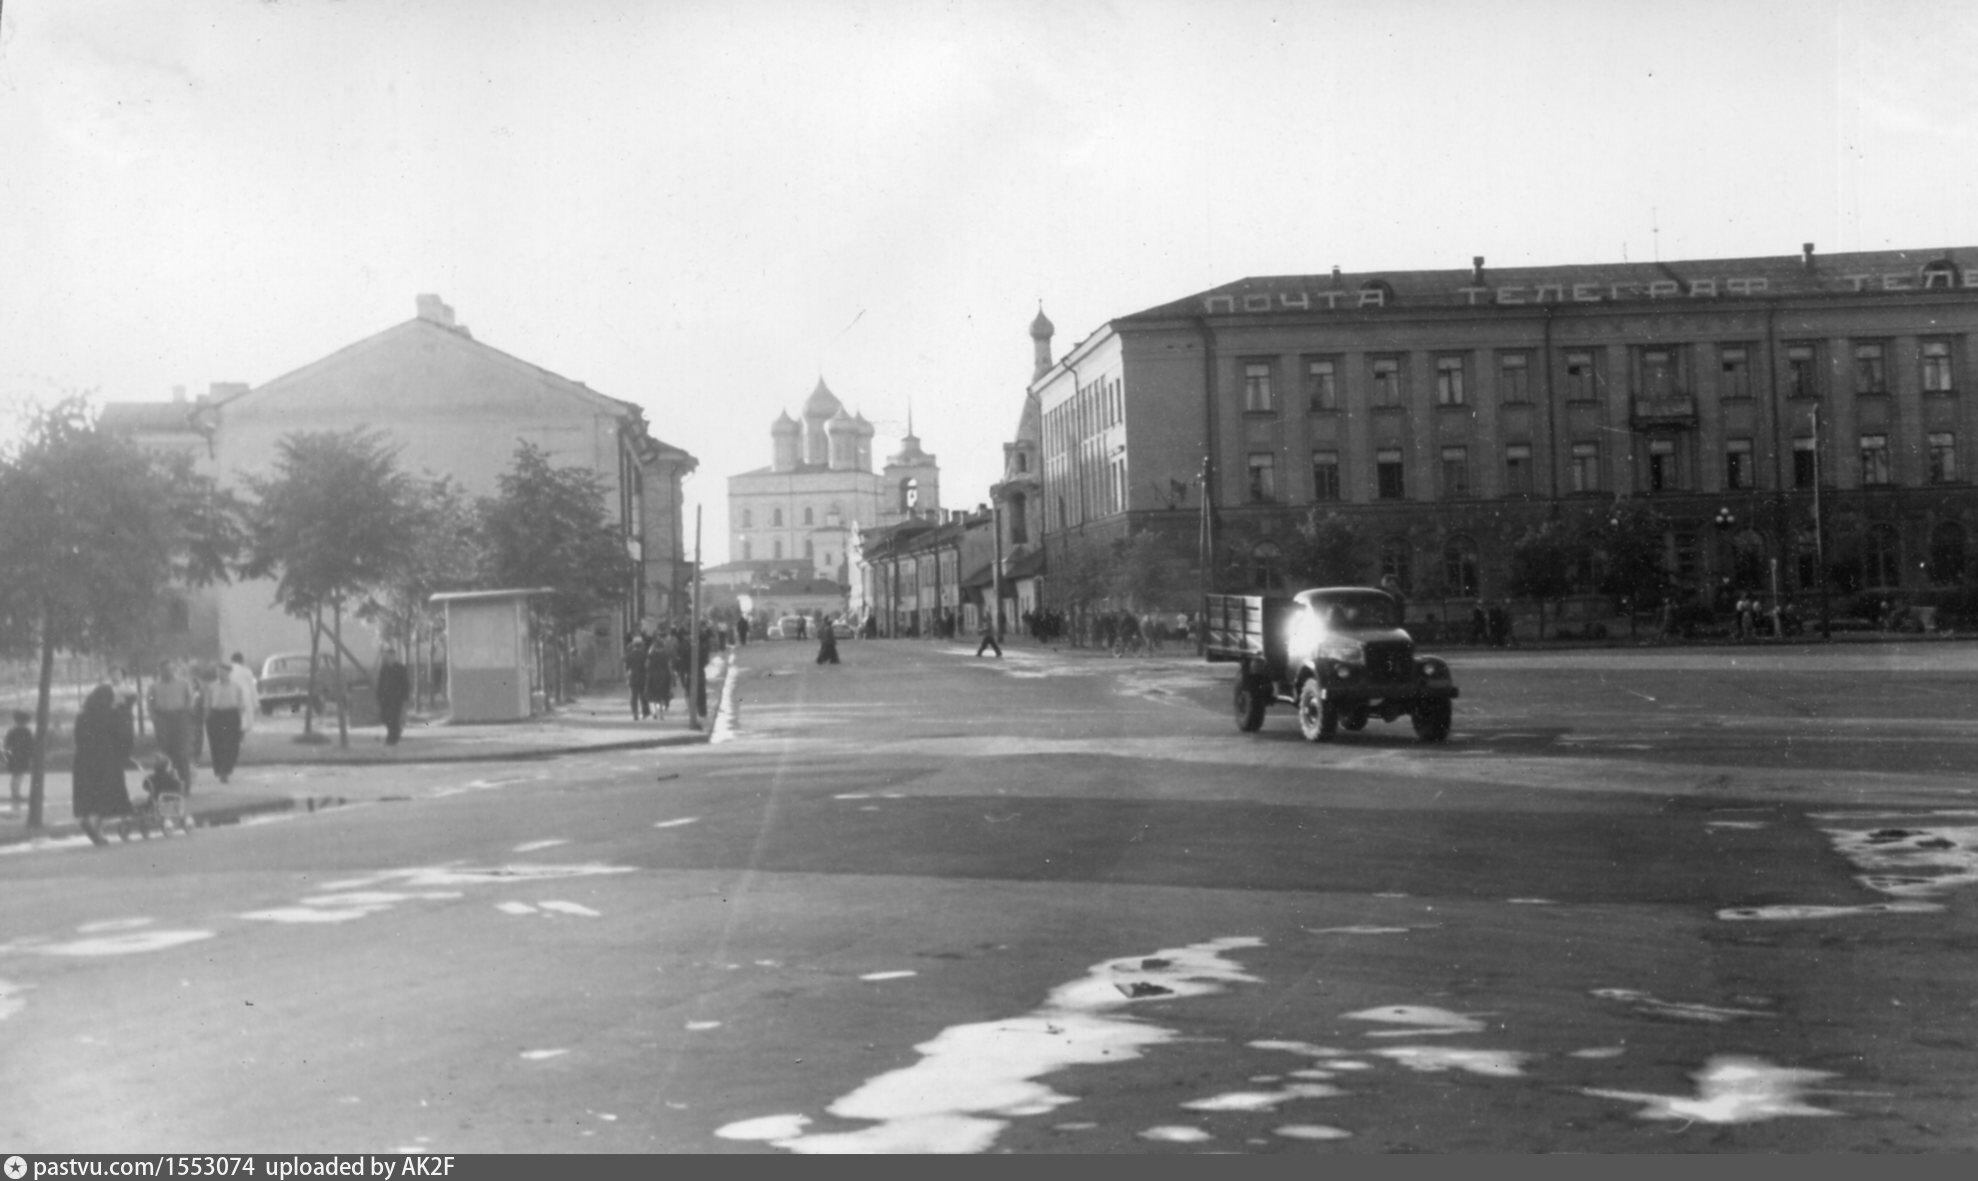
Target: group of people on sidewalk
653,661
192,712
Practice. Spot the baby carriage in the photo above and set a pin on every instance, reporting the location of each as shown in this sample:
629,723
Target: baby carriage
163,804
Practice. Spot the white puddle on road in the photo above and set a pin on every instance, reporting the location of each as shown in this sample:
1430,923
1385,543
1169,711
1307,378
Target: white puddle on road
973,1079
124,944
676,823
1684,1010
895,975
1912,861
1262,1100
1438,1059
534,846
1742,913
1731,1090
1418,1020
10,999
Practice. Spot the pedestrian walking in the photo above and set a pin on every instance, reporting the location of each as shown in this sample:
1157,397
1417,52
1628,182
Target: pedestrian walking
20,755
989,636
104,738
171,699
227,711
742,632
394,690
250,690
827,642
635,675
197,675
659,676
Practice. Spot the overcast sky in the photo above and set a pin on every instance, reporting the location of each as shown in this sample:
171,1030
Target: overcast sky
703,207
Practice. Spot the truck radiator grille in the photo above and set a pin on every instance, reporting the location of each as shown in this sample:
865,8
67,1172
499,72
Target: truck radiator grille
1389,661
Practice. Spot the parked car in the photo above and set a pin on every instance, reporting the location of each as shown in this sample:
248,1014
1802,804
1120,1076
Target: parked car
788,628
285,682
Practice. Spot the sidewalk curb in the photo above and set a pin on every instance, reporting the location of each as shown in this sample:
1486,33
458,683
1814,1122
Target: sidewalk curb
226,814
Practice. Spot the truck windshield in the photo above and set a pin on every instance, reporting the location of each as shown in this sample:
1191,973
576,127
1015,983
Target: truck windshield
1357,611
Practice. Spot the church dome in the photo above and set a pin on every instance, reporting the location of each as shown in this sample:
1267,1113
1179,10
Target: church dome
1041,328
822,402
785,425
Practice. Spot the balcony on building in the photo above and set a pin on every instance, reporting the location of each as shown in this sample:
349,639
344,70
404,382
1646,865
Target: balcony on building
1678,410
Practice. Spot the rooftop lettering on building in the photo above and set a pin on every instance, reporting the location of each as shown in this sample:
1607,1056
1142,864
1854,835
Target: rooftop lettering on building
1855,275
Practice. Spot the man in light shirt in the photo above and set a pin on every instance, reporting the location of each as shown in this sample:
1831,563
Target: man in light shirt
250,688
230,709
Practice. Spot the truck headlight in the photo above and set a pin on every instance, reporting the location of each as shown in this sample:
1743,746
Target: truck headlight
1433,669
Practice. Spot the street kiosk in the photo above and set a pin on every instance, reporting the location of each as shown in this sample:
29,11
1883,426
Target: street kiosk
490,661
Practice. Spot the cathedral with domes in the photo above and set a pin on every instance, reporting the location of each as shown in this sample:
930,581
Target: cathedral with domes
820,489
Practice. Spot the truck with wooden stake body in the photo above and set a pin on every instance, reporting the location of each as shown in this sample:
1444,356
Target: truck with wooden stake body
1339,654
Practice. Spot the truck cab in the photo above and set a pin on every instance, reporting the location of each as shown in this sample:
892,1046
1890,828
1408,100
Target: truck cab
1340,655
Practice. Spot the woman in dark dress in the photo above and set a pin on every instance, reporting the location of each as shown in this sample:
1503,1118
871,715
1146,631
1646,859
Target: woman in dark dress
659,676
104,739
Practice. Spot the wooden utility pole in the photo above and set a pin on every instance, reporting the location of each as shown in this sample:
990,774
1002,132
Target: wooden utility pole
696,687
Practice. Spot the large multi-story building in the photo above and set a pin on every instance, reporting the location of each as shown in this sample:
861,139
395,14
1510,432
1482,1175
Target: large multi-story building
1445,412
820,487
450,405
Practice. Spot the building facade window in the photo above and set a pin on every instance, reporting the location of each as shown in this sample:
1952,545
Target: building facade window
1947,553
1881,557
1937,367
1266,565
1802,371
1806,463
748,518
1871,371
1325,475
1322,383
1874,460
1388,481
1460,568
809,519
1386,374
1583,470
1455,471
1263,477
1257,387
1449,381
748,550
1581,381
1943,457
779,550
1658,372
1518,469
810,550
1396,563
1514,377
1734,369
1738,467
1662,474
776,518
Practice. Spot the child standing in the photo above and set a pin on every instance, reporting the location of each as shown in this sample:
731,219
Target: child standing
20,754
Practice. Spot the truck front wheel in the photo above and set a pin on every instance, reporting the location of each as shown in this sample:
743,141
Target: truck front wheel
1432,720
1318,719
1251,698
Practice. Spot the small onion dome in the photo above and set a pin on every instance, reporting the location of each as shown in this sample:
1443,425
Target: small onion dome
864,427
840,424
1041,328
785,425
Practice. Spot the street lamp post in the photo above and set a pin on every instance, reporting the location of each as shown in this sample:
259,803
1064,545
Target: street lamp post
1725,521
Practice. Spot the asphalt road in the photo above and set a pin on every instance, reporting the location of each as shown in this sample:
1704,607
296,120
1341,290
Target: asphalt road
1642,900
